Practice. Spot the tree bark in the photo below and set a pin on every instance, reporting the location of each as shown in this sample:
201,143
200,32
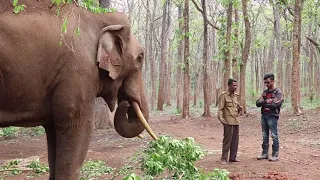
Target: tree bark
277,30
206,94
168,79
146,44
102,112
152,56
227,67
311,64
103,115
164,52
186,87
257,62
180,61
245,55
235,70
196,87
296,42
104,3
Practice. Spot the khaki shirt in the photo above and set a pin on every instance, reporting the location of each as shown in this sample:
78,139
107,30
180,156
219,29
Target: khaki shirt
228,108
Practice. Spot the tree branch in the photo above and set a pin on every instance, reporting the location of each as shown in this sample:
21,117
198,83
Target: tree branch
197,6
289,9
314,43
206,18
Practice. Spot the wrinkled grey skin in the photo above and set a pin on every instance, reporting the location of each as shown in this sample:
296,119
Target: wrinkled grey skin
44,84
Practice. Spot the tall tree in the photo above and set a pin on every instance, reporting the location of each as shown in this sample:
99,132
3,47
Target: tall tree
277,30
146,43
102,112
180,58
235,70
310,53
186,86
168,77
296,42
164,52
245,55
227,67
152,55
206,94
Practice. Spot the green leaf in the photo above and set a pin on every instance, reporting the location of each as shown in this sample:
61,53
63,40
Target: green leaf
64,25
78,31
58,2
14,2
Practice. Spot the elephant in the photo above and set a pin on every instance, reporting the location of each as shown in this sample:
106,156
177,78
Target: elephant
54,85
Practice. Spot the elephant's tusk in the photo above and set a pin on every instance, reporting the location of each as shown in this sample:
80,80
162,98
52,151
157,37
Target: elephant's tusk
140,136
143,120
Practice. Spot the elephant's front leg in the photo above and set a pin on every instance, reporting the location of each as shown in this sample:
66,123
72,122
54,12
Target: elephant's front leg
72,146
73,128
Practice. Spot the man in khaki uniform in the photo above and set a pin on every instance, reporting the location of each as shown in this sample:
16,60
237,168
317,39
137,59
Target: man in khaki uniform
228,112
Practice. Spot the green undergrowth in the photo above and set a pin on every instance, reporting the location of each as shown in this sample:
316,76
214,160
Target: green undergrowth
94,169
12,132
18,166
165,159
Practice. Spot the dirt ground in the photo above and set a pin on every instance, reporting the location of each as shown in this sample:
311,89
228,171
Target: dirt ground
299,141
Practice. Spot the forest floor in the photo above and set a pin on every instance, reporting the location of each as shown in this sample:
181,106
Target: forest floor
299,156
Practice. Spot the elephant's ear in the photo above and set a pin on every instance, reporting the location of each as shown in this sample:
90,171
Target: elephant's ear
110,50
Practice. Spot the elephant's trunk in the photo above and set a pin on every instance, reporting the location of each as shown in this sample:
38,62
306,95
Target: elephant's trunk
129,121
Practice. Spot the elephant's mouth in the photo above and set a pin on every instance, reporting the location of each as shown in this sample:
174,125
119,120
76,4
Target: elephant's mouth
129,120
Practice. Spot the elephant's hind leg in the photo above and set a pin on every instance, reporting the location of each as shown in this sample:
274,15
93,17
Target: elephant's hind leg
2,86
51,141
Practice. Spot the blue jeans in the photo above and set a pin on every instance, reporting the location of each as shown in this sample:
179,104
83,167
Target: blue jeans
270,123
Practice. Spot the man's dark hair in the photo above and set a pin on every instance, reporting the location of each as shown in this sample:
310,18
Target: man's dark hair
231,80
267,76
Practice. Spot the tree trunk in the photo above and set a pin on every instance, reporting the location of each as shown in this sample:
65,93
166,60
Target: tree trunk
152,57
235,70
257,73
270,60
245,55
186,86
296,42
180,61
164,52
311,64
227,70
168,79
102,112
167,98
146,45
264,65
206,94
277,30
195,94
102,115
288,62
288,72
104,3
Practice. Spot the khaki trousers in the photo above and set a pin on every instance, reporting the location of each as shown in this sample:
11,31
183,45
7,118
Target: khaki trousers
230,142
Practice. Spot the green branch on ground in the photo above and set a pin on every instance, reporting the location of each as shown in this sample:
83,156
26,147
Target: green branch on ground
168,158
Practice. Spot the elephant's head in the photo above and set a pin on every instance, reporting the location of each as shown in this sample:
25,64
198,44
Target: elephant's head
120,58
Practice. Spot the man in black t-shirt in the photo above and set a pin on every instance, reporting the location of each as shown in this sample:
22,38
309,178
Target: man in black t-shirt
270,103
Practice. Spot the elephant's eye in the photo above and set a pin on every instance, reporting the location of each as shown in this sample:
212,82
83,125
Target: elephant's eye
140,58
